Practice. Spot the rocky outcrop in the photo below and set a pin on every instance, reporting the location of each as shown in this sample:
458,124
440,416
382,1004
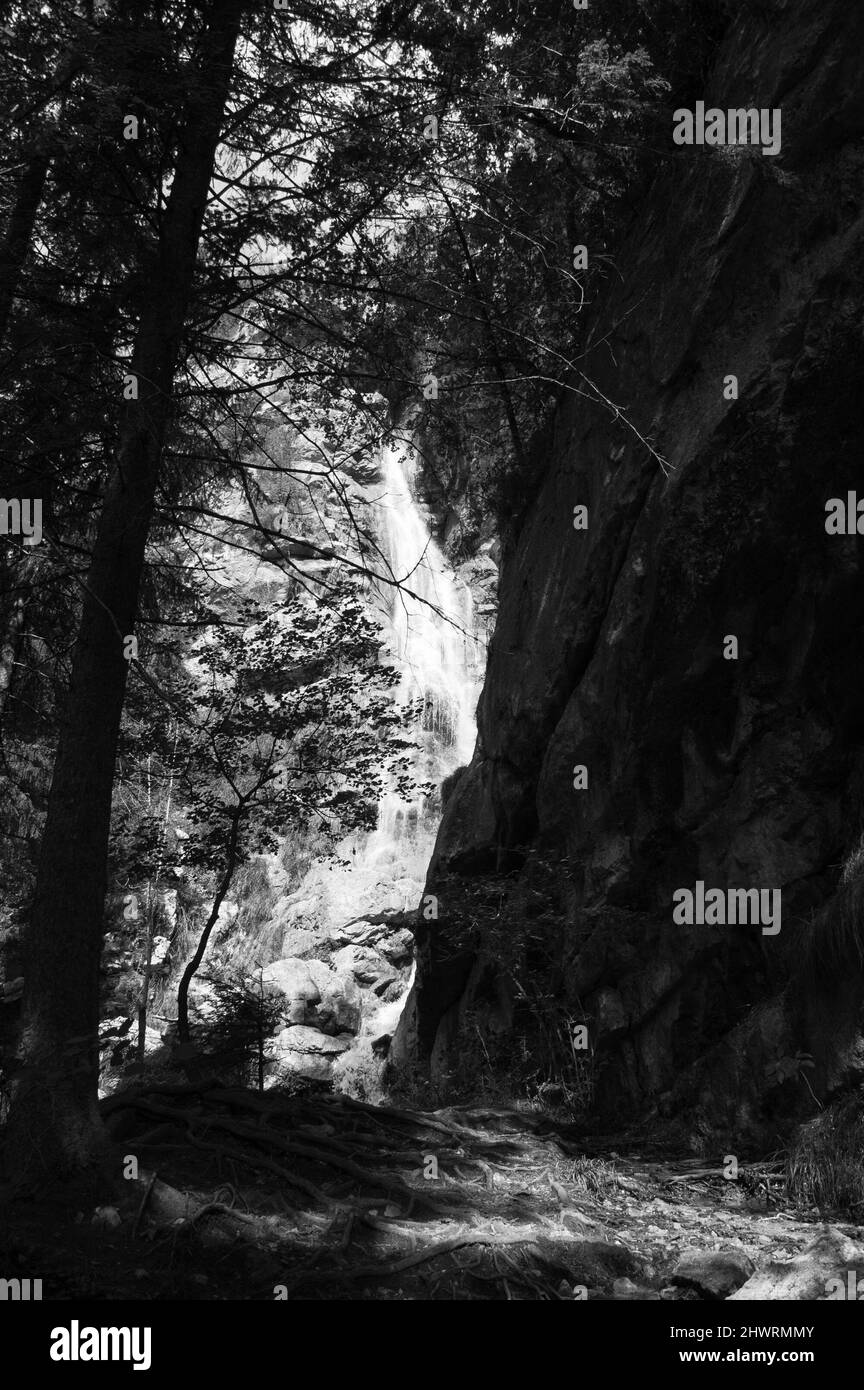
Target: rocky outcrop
368,967
342,1004
706,510
315,996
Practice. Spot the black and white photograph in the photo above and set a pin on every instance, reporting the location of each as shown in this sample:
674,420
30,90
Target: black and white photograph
431,674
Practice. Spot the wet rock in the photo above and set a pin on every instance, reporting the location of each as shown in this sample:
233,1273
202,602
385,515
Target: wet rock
398,946
713,1273
367,965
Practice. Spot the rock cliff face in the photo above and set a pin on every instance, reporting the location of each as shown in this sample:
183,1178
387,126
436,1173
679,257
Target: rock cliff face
609,647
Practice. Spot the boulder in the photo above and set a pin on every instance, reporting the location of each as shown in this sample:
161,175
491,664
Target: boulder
713,1273
360,933
597,1263
306,1052
315,995
625,1290
292,979
368,967
398,946
301,1039
341,1007
820,1272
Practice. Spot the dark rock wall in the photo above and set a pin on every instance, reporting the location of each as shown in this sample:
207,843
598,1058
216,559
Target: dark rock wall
608,650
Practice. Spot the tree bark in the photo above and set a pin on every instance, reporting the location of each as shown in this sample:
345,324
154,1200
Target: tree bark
19,233
54,1125
9,650
152,896
22,589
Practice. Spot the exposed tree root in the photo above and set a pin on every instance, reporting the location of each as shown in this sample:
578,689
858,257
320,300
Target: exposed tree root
256,1160
330,1195
432,1252
267,1137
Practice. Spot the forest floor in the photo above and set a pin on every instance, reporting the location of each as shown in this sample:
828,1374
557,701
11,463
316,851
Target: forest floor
240,1195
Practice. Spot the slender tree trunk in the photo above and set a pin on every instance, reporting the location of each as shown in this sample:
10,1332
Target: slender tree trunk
221,892
19,232
24,582
261,1042
152,897
31,186
146,972
54,1124
9,650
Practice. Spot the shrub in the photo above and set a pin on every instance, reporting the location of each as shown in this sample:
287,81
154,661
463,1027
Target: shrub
240,1021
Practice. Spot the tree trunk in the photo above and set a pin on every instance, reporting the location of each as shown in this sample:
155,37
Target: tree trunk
28,198
146,973
54,1124
9,650
19,233
191,969
262,1031
25,582
152,896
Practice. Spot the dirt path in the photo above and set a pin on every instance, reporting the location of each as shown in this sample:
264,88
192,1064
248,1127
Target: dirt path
240,1195
230,1194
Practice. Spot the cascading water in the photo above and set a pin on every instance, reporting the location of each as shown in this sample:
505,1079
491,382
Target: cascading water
434,646
435,641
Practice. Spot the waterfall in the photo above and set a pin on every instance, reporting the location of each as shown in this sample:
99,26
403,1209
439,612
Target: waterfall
436,642
434,646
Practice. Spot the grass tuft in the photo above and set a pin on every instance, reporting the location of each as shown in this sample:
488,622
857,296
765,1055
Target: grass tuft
825,1166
